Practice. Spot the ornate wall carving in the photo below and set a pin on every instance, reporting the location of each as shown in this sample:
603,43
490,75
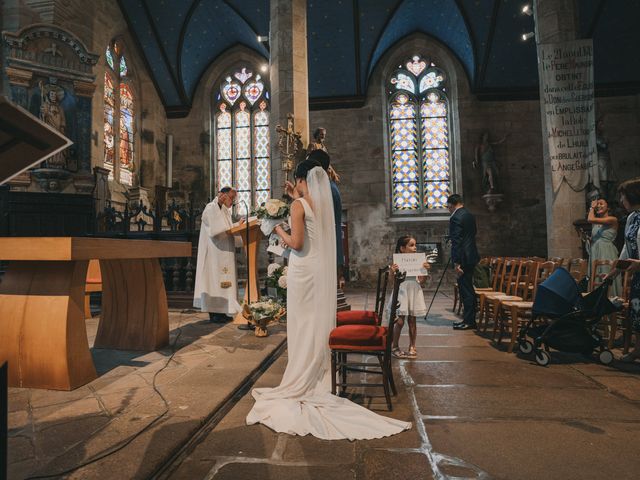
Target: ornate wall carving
50,72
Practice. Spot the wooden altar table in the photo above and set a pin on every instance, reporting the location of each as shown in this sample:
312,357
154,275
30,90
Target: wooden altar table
42,327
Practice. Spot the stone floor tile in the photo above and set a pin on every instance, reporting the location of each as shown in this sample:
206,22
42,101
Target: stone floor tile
376,464
626,386
490,373
313,450
476,403
450,340
237,471
46,416
526,450
22,449
18,399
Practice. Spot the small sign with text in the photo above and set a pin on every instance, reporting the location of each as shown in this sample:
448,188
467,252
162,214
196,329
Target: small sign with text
411,263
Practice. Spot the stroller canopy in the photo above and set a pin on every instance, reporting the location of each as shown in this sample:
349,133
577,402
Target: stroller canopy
558,295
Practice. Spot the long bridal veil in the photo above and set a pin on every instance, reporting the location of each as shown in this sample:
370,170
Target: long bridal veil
325,297
303,404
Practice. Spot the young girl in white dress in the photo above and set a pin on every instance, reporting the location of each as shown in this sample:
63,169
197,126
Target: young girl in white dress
411,299
303,404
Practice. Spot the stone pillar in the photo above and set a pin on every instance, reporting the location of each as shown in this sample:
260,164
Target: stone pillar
556,21
289,77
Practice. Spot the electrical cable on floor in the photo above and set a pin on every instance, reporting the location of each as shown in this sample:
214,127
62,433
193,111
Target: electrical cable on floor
116,448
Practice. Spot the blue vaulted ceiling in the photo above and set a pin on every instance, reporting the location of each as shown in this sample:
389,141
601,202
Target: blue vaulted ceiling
347,38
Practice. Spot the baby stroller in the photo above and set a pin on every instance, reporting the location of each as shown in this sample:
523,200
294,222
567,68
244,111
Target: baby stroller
573,319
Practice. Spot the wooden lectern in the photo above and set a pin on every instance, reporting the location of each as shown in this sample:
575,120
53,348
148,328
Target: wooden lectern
251,235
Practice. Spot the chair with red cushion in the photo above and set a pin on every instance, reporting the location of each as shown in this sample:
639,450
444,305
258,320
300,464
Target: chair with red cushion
368,317
372,340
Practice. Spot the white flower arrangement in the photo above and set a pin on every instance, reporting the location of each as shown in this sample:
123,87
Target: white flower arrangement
271,213
273,209
262,313
272,269
277,280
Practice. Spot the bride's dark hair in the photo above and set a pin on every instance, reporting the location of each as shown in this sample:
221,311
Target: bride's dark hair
305,167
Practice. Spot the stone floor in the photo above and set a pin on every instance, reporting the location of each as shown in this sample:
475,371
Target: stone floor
478,412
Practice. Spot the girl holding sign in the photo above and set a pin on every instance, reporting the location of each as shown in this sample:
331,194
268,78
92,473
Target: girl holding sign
411,299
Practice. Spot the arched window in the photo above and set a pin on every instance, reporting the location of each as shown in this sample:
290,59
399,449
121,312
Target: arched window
242,151
119,104
418,109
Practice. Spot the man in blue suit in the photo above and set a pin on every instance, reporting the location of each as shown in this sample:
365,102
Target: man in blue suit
464,255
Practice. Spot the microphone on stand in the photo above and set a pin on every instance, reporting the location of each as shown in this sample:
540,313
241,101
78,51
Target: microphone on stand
246,209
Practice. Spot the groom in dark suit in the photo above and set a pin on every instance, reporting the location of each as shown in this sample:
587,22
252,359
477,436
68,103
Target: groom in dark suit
464,255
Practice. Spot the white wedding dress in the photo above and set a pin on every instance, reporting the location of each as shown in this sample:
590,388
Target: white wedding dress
303,404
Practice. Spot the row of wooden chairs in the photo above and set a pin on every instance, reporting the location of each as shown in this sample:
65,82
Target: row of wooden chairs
508,302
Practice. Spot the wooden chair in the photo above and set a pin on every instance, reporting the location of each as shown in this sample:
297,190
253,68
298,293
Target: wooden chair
513,315
370,340
492,300
509,267
558,260
599,270
457,301
621,319
578,268
93,284
608,324
368,317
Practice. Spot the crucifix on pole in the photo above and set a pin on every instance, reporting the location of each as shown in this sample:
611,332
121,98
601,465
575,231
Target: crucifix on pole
289,144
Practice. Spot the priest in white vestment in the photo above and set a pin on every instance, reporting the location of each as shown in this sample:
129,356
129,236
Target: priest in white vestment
215,290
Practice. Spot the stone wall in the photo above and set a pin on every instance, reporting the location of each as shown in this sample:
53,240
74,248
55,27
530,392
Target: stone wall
357,143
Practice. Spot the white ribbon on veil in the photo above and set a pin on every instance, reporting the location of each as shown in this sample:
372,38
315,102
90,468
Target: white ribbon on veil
326,295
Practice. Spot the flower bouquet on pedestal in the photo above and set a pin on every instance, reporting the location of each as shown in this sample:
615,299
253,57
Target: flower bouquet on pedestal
262,313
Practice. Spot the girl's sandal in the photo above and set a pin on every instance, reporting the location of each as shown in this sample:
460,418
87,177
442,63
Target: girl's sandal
412,353
397,353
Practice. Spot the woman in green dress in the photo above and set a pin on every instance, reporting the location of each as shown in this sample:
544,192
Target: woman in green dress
603,234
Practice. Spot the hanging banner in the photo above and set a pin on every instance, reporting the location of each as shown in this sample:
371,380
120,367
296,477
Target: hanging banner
566,93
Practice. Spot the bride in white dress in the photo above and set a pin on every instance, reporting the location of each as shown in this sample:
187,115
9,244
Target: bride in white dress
303,404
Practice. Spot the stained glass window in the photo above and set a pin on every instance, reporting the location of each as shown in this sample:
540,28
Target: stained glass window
109,57
242,150
419,137
119,117
123,67
109,135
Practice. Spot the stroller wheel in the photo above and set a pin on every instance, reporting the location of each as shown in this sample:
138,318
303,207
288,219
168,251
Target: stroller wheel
542,358
525,347
605,357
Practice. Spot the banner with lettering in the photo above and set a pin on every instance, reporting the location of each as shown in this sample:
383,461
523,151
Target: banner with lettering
566,93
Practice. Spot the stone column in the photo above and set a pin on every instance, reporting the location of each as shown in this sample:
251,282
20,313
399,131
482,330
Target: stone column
556,21
289,77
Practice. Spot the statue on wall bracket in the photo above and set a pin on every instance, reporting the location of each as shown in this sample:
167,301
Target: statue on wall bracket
484,157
